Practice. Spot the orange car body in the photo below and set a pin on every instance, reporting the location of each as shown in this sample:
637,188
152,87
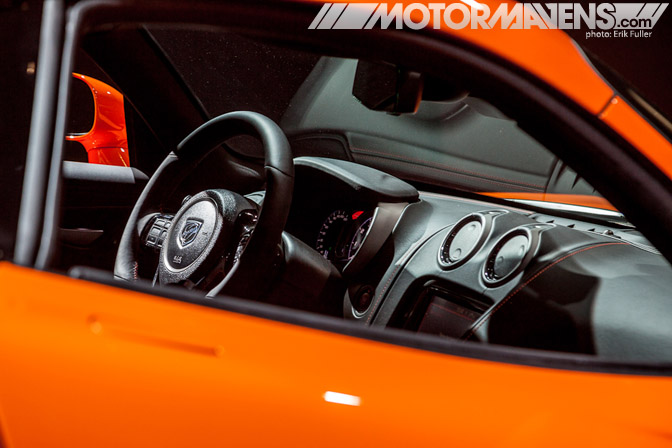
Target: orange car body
106,143
92,365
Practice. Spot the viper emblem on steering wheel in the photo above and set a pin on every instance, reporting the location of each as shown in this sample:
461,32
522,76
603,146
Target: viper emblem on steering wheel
190,232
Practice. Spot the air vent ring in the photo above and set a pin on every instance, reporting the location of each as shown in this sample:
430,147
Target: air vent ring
464,240
510,255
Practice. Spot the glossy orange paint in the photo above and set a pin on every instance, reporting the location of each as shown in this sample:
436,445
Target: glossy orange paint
573,199
106,142
634,128
100,366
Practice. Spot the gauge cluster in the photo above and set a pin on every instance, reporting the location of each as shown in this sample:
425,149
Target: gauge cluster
345,211
342,233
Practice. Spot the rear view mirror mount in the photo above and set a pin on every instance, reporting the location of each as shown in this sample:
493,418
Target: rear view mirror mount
386,87
390,88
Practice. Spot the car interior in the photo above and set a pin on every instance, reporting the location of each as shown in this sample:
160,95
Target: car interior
375,187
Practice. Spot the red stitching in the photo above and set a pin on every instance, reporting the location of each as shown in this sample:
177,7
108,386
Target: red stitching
452,312
382,292
448,167
530,280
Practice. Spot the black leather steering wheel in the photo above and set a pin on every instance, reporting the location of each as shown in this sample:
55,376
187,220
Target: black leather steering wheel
218,240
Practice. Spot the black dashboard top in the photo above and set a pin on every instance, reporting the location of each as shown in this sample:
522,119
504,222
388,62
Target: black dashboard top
367,183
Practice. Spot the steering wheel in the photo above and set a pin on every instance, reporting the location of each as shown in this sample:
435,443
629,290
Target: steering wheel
219,240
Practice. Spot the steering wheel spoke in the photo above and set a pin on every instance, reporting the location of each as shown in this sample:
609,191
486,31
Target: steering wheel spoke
155,231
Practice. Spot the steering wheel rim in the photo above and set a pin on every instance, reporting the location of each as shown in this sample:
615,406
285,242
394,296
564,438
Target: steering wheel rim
261,252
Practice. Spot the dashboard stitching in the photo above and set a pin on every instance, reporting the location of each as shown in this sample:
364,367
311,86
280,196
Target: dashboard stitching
382,292
530,280
424,162
448,310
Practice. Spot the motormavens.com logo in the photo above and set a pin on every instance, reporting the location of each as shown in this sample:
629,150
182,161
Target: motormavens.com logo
599,19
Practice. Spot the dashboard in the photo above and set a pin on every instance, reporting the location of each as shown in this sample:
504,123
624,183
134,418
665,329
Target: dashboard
474,270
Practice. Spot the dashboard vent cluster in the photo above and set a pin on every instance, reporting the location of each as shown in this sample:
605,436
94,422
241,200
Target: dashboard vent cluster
631,236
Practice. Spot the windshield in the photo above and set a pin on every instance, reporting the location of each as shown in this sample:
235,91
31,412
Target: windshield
463,143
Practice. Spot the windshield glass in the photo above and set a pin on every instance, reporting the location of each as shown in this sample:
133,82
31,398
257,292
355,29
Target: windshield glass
463,143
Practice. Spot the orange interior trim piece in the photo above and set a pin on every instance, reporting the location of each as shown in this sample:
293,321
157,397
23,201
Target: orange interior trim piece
573,199
107,141
87,365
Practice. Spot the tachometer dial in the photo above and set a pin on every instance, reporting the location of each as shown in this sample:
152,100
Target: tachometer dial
342,234
329,240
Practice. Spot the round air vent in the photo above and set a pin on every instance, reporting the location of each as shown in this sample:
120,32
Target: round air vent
464,240
509,256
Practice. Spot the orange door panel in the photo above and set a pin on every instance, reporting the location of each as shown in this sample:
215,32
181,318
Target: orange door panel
90,365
